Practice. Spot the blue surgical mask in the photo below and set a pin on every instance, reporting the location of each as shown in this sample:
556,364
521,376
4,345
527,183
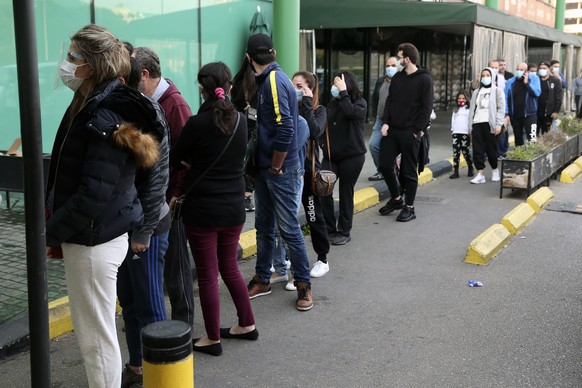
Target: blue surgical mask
543,72
299,95
390,71
335,91
518,74
486,81
532,73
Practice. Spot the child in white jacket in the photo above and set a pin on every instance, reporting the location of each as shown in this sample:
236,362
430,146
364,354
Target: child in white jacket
461,129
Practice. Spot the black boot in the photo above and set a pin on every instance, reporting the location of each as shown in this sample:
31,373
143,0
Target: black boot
455,173
471,171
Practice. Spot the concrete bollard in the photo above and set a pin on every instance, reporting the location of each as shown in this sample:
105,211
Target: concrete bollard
167,355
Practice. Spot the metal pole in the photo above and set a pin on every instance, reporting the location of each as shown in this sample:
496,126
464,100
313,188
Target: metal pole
286,34
30,129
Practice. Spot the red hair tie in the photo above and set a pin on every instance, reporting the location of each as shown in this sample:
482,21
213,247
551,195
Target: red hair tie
219,92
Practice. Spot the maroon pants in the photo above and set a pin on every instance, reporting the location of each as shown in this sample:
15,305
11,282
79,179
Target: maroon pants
214,250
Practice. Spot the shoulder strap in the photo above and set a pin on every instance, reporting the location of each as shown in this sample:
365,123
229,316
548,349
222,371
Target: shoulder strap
215,160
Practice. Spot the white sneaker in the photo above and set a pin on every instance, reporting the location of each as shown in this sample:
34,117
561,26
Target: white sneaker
478,179
277,278
290,286
495,175
319,269
288,263
272,269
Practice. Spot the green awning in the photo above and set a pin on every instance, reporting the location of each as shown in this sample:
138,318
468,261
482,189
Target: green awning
329,14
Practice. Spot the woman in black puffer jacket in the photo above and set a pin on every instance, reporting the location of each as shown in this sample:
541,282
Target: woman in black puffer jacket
91,198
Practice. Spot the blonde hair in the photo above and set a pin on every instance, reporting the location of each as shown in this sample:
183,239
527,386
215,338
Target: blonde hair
105,54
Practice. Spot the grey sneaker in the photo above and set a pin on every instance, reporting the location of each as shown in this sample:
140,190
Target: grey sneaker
130,379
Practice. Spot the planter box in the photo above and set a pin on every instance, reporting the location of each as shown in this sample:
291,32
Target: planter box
571,148
528,174
525,174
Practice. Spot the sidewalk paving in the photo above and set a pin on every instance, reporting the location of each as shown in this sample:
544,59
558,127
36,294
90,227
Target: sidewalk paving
395,309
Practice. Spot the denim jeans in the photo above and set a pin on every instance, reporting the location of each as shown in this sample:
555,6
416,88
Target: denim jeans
280,256
374,144
278,198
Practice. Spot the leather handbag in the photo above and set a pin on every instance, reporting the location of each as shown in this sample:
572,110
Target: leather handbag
322,181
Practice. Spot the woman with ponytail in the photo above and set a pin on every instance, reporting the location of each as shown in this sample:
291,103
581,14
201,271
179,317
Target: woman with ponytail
213,210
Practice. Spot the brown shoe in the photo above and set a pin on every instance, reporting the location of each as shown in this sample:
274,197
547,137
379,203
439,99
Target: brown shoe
257,288
304,296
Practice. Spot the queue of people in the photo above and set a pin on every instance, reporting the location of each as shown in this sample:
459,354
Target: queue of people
131,151
528,101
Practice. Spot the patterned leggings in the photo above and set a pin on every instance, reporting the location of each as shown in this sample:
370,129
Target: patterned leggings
461,144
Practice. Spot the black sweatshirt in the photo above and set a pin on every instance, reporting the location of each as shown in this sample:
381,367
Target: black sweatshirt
345,119
217,200
410,101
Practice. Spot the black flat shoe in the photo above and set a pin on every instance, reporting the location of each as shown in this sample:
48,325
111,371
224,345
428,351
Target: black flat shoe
251,335
212,349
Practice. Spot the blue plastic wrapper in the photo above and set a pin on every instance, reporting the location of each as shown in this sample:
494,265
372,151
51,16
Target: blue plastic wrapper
475,283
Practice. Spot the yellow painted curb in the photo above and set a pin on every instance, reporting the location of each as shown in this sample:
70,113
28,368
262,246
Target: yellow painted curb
365,198
578,162
540,199
59,317
248,243
425,176
60,321
483,248
518,218
462,161
570,173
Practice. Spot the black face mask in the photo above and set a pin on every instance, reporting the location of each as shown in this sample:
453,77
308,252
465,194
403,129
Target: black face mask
252,67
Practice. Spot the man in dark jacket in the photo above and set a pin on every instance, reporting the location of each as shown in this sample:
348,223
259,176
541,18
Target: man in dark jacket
140,280
279,179
381,91
406,117
550,99
177,112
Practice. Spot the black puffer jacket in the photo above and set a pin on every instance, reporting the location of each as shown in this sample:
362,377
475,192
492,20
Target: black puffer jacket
91,194
345,120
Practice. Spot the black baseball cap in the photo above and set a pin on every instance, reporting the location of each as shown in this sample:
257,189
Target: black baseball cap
259,44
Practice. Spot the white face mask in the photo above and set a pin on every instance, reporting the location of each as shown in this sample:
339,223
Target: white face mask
400,66
68,77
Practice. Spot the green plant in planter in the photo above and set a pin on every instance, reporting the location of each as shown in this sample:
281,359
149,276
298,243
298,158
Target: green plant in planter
527,152
570,125
552,139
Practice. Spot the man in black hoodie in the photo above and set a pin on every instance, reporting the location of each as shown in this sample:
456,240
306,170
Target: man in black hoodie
406,117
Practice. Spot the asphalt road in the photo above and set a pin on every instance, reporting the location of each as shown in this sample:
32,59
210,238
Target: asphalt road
395,309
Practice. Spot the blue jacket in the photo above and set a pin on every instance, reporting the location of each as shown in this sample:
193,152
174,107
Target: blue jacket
277,112
534,89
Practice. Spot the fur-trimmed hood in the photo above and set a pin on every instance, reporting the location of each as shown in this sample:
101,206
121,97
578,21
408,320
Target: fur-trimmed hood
144,146
129,119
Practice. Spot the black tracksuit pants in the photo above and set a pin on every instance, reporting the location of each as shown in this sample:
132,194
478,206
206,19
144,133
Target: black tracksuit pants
315,219
524,126
484,142
347,171
400,141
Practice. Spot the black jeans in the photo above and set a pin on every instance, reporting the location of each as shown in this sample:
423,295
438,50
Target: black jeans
315,218
523,126
403,142
347,171
484,142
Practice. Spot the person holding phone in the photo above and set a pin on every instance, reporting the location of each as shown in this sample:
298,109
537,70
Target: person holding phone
346,114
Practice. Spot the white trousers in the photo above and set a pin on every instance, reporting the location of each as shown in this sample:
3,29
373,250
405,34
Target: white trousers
91,274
